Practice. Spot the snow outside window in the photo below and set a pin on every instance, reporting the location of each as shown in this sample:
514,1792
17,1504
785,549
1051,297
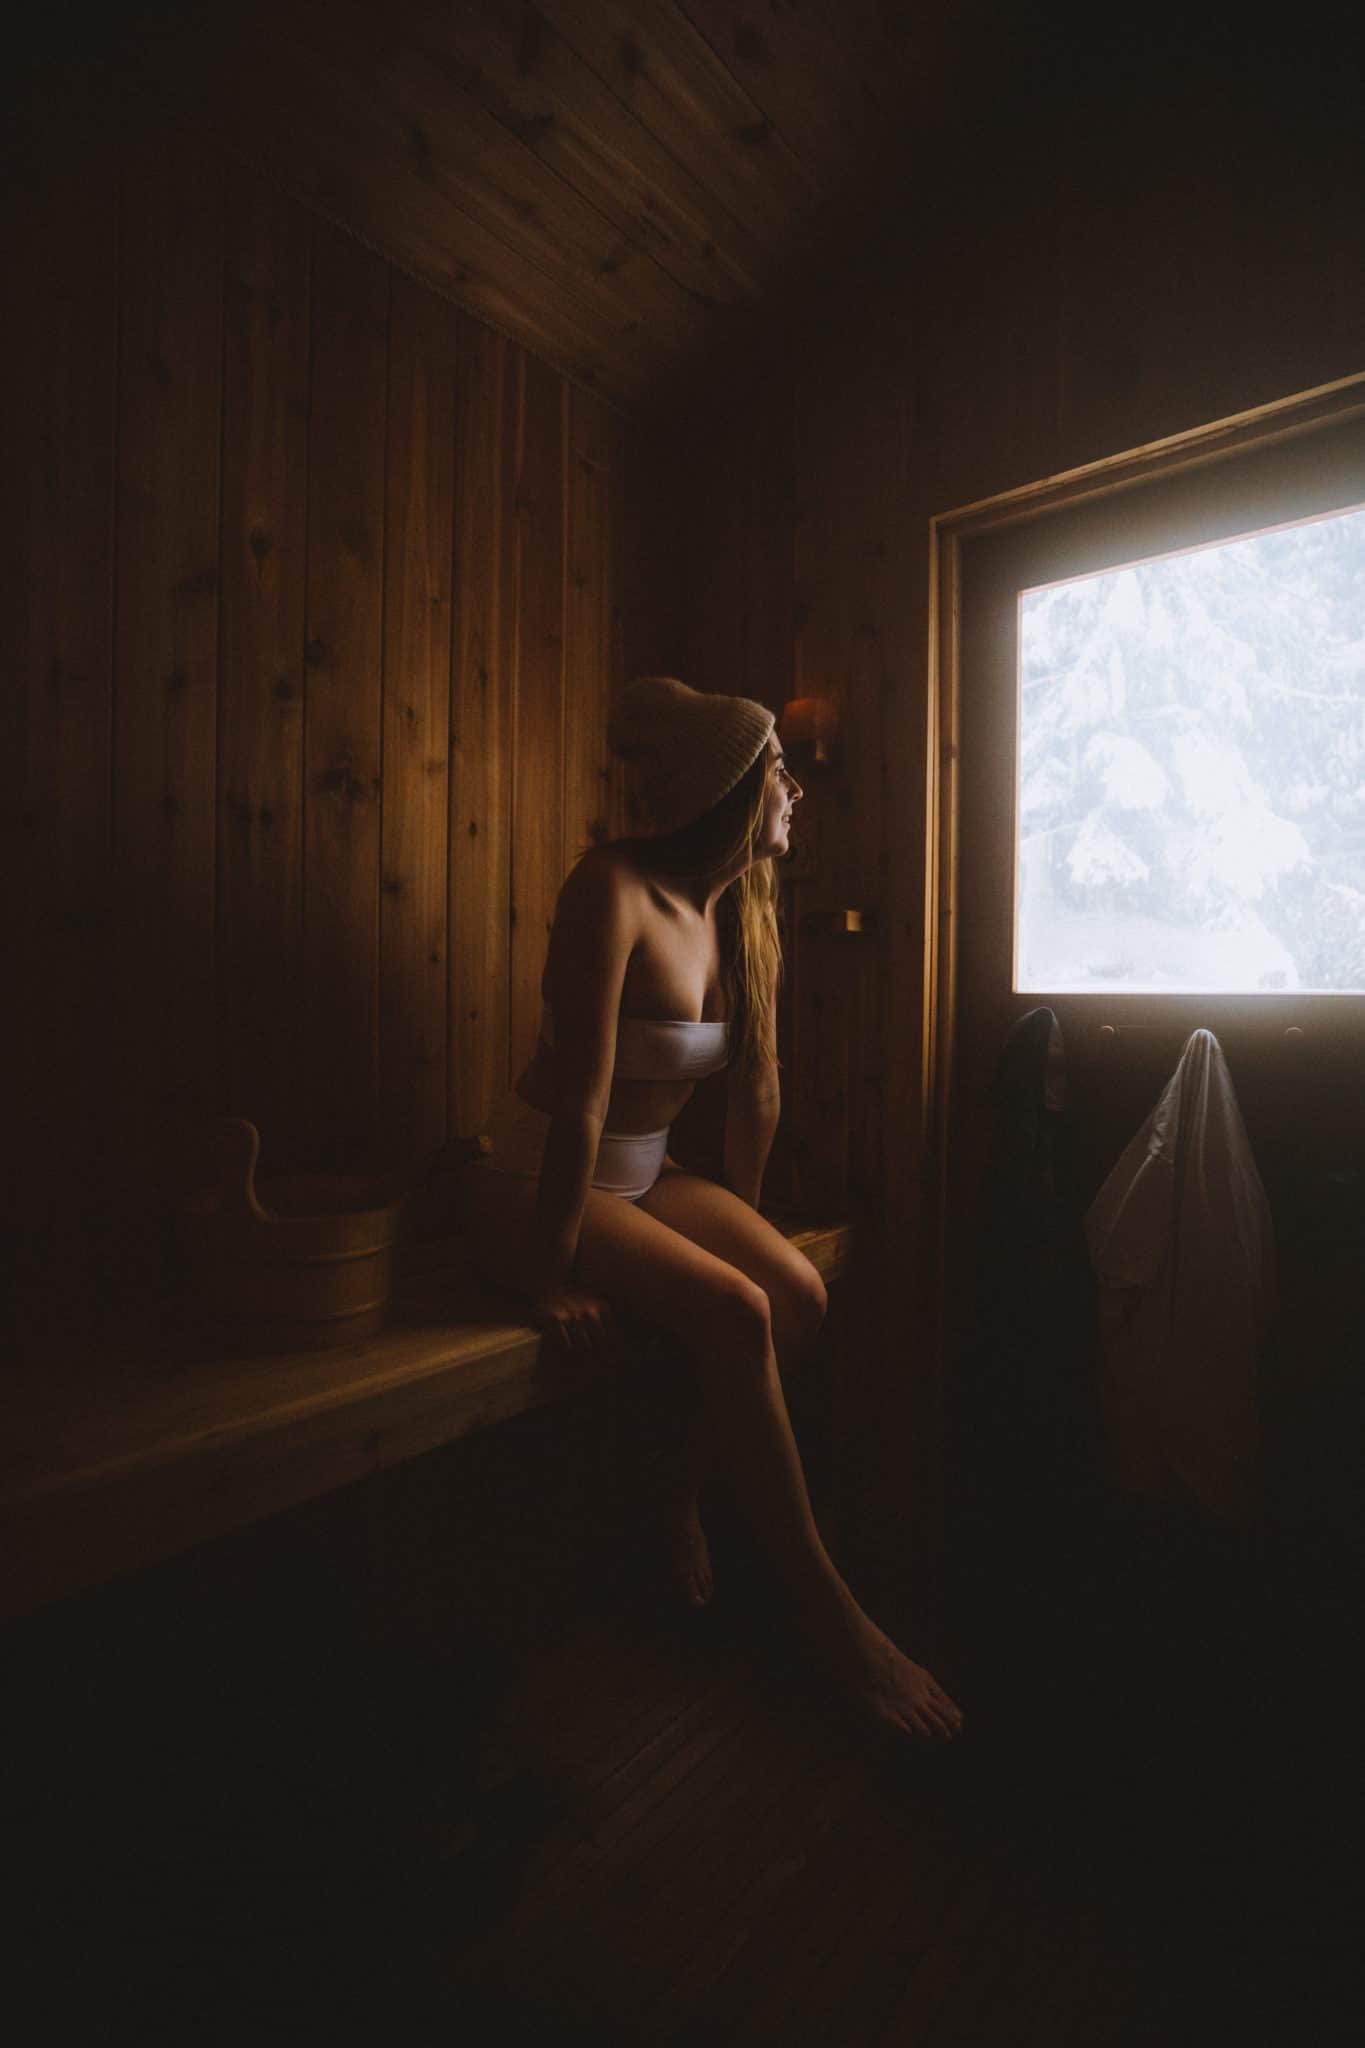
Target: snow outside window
1191,800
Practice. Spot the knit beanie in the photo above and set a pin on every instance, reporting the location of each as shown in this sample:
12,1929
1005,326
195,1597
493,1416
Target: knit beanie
688,747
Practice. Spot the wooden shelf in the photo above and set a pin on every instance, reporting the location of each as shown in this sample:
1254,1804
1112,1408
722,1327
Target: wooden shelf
110,1464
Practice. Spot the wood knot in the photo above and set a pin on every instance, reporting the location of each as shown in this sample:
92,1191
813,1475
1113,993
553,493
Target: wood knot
342,782
260,544
199,583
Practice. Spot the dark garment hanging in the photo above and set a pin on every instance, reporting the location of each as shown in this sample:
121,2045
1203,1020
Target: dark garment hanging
1027,1481
1028,1379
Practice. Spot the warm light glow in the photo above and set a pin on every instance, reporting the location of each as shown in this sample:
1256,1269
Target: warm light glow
809,718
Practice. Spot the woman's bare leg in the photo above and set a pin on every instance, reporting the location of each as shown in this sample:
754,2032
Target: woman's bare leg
679,1509
677,1515
652,1271
753,1443
712,1217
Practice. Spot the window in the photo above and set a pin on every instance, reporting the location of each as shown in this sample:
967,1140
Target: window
1161,694
1190,799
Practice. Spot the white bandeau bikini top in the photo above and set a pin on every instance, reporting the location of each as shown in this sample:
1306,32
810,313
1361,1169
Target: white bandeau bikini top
662,1049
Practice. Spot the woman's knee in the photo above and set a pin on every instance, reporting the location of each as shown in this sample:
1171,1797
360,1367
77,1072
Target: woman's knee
733,1319
798,1303
809,1301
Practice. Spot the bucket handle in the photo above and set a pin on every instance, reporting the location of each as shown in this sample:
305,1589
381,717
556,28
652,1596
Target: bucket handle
236,1146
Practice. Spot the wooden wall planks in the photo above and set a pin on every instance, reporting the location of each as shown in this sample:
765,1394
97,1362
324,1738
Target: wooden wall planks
261,638
342,716
418,560
307,529
165,660
594,463
482,736
61,264
538,779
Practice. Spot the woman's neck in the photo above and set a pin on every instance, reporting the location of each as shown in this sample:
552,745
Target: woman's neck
701,892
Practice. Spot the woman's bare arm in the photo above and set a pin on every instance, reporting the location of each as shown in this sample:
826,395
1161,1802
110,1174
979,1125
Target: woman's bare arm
595,927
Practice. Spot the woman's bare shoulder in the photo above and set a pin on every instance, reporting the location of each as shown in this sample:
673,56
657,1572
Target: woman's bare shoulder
601,890
605,871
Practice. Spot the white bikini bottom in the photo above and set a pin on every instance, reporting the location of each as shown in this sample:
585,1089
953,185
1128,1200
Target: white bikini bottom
628,1162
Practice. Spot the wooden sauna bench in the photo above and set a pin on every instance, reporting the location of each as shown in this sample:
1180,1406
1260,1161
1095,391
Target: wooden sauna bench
121,1460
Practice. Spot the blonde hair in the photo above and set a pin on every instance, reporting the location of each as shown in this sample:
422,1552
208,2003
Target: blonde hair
748,916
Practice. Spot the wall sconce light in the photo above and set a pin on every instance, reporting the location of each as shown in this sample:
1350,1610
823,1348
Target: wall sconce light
809,730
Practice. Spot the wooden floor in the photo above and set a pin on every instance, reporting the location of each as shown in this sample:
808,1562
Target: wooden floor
637,1826
729,1861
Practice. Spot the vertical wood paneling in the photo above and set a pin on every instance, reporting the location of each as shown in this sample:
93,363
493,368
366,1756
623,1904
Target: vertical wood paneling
342,705
261,667
166,647
874,457
771,557
656,550
289,640
615,559
483,644
820,1106
588,629
60,353
538,801
418,560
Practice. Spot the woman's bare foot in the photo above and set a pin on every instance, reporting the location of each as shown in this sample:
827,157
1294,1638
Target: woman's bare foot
882,1684
687,1553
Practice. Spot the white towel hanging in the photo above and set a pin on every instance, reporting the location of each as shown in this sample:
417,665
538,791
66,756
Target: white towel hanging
1181,1241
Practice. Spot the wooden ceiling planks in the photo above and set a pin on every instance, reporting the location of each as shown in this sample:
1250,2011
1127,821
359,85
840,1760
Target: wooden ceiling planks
617,185
804,74
523,73
661,66
314,120
485,171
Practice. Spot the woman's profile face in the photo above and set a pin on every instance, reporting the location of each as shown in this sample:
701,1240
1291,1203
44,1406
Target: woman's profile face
783,791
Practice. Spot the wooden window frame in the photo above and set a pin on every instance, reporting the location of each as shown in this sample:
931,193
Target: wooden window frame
1243,434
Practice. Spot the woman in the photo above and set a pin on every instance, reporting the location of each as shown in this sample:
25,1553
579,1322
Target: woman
663,966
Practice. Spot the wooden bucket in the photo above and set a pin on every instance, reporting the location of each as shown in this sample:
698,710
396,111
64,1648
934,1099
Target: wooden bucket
304,1264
